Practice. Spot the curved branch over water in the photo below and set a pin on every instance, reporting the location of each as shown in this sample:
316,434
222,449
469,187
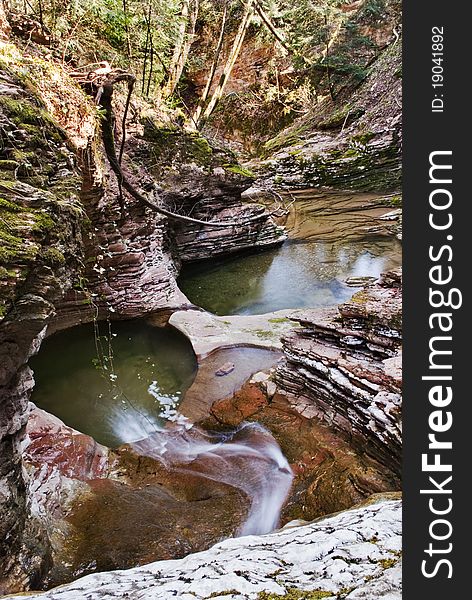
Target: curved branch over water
104,98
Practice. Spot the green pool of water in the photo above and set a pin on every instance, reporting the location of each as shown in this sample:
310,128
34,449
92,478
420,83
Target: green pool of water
296,275
117,387
331,240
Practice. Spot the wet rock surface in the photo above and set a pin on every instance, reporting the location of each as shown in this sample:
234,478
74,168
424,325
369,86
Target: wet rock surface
207,332
344,367
105,509
355,554
329,474
208,387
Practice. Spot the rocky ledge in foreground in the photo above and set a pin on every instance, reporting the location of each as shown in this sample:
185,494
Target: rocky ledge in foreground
353,555
343,367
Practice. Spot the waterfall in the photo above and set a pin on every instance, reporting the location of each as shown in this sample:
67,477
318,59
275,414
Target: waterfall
247,458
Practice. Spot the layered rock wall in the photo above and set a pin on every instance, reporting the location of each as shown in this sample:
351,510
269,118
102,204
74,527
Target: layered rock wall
41,246
204,182
343,366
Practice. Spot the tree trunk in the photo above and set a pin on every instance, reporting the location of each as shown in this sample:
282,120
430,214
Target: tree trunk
146,47
183,43
327,57
271,27
128,40
233,55
211,76
4,24
151,65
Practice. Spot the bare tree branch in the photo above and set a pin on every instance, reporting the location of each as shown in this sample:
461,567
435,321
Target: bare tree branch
105,83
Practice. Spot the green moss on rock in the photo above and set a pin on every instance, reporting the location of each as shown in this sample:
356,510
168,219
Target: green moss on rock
363,138
8,165
238,170
52,257
20,111
394,201
343,116
295,594
6,205
169,143
388,563
40,214
43,223
286,138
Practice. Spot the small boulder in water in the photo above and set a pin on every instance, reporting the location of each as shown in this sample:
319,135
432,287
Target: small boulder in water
360,281
225,369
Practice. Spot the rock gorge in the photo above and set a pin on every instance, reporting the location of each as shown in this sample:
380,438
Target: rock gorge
328,388
70,237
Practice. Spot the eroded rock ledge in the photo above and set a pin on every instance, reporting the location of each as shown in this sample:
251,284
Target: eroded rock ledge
353,555
343,366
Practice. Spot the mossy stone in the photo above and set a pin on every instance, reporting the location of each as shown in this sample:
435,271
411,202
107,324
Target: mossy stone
295,594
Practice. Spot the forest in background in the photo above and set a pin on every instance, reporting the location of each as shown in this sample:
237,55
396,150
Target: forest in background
239,69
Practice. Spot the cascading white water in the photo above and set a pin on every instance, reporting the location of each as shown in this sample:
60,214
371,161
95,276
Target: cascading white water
247,458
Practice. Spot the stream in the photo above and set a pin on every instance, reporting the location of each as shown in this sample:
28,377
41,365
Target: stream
123,383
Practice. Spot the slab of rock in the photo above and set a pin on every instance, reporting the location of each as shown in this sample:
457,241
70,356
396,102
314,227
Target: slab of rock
207,332
352,555
225,369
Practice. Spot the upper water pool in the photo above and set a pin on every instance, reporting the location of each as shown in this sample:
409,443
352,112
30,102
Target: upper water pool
332,238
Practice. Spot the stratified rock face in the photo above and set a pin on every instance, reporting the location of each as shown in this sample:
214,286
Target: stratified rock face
40,245
130,270
133,254
356,146
355,554
195,242
344,367
206,183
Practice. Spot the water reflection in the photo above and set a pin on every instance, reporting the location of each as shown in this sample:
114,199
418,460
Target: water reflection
299,274
331,240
